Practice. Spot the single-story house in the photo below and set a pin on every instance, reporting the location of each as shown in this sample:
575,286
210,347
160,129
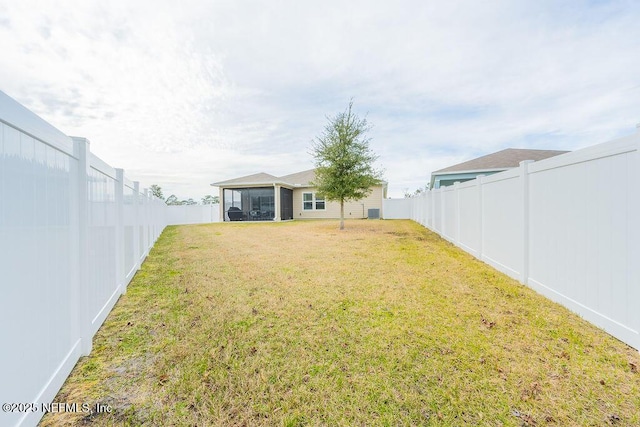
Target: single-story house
486,165
264,197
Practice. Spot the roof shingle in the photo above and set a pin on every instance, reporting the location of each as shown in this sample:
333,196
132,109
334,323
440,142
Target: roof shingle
300,178
505,159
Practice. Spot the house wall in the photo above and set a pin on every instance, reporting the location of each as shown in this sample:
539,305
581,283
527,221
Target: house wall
565,226
446,180
353,210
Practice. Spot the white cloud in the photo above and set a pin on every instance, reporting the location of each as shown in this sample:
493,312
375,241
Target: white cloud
184,94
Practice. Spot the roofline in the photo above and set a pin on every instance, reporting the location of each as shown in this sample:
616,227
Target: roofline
271,184
251,184
531,150
473,171
478,172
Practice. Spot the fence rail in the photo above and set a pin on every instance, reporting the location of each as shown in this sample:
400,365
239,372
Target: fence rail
73,232
568,226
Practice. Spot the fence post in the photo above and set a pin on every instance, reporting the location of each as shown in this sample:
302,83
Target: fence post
635,225
432,207
81,152
479,183
120,273
425,209
142,221
442,212
137,200
456,193
524,179
145,223
142,218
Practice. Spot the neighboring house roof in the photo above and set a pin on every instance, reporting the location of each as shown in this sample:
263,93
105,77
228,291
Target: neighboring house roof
502,160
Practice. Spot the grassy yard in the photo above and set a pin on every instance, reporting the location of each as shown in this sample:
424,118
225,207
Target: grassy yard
297,323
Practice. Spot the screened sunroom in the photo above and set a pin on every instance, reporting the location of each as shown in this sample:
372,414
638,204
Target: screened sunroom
257,197
257,204
249,204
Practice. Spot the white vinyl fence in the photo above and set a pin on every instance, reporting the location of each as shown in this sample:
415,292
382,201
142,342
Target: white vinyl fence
568,226
73,231
397,208
193,214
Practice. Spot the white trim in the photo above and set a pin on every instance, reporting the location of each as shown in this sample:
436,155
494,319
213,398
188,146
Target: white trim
469,171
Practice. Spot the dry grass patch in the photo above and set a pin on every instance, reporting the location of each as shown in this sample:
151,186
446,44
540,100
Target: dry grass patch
383,324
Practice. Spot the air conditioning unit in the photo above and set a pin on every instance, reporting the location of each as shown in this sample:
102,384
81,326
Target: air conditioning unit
373,214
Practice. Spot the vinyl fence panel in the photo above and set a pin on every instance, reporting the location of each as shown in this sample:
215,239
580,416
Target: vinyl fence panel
68,247
470,226
102,216
39,306
130,253
396,208
436,210
583,234
567,226
449,197
502,222
193,214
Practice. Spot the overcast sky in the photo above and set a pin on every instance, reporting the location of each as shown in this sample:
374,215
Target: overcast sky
186,93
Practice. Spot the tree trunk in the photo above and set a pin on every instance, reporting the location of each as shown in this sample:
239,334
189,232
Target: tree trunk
341,214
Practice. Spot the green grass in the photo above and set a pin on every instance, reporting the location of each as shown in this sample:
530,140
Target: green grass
297,323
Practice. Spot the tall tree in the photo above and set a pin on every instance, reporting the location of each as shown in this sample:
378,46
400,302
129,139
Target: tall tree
209,200
156,190
344,161
172,200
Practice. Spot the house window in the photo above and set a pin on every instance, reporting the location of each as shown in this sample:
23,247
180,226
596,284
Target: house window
312,201
307,201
